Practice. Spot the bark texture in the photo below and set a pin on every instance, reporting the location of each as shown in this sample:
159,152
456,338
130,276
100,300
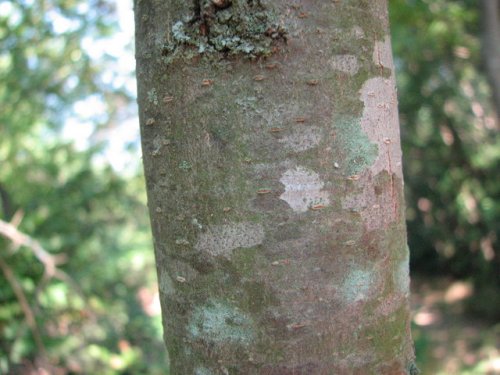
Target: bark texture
273,167
490,18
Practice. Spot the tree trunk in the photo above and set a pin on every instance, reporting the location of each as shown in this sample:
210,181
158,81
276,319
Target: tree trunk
273,167
490,21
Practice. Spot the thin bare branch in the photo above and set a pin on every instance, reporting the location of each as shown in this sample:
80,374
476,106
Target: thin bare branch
50,262
23,301
10,232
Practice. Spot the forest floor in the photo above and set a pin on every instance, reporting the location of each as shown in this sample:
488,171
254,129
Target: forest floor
448,340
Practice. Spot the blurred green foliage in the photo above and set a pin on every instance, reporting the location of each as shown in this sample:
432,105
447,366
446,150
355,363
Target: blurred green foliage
451,147
94,219
81,211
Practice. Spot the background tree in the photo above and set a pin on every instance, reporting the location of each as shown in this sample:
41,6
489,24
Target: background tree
490,20
451,143
86,316
273,166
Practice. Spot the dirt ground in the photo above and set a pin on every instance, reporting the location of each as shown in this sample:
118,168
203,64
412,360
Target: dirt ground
449,340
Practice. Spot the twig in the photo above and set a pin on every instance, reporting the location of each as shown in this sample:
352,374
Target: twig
23,301
50,262
20,239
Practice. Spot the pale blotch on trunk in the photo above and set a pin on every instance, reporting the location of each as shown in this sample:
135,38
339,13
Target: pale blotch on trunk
303,189
380,124
380,114
357,32
202,371
223,239
165,282
302,139
345,63
357,284
219,323
402,275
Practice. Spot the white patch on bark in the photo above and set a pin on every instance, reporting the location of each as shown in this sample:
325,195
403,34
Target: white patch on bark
381,124
357,32
380,115
345,63
357,285
223,239
202,371
221,324
377,210
303,189
382,53
402,277
165,283
302,139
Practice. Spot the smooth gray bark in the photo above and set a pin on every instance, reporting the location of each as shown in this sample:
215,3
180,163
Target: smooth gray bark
490,18
275,186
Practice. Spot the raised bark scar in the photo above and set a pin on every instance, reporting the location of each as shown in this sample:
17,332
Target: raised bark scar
231,27
204,12
393,190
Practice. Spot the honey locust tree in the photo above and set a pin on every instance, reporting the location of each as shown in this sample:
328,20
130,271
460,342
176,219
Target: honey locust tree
273,168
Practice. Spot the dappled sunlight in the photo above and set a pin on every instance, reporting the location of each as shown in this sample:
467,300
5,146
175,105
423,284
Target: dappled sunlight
458,291
426,318
448,340
150,300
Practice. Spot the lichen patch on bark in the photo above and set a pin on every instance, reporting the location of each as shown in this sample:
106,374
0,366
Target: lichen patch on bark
221,240
303,189
225,27
358,153
165,283
357,32
221,324
380,114
203,371
302,139
357,284
378,122
345,63
376,204
379,205
402,275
